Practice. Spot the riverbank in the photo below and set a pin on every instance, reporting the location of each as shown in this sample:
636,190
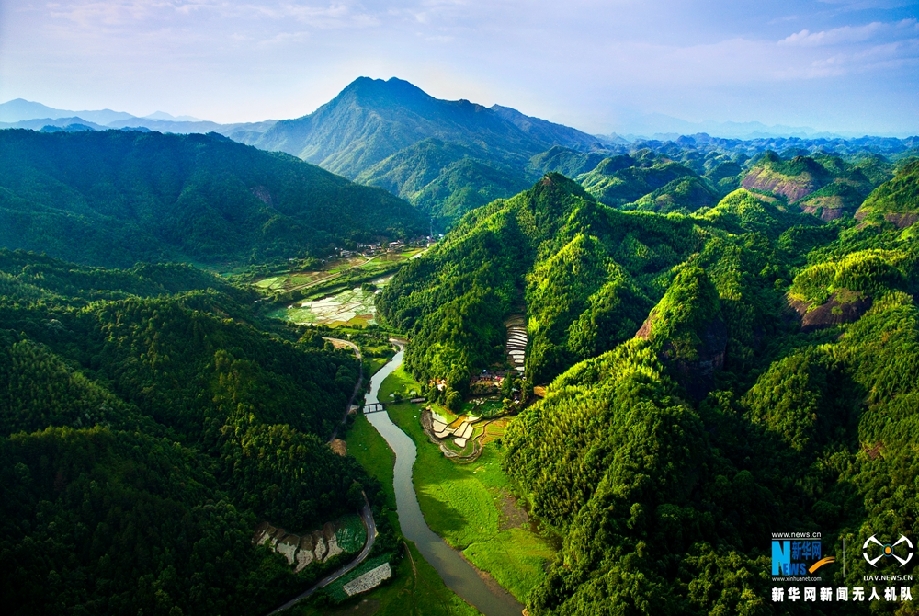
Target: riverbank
471,506
416,588
456,572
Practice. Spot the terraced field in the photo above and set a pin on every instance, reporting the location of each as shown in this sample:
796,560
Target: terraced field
516,342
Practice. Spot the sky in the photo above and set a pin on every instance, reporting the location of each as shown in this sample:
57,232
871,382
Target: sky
601,66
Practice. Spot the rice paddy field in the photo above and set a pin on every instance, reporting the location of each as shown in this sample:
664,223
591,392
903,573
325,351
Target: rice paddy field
352,307
336,270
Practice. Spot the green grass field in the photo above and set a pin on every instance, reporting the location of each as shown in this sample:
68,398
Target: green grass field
399,381
471,505
373,453
351,535
415,590
375,363
489,408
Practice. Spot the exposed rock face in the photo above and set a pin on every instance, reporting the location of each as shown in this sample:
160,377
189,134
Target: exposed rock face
828,211
644,332
262,194
901,219
792,188
832,312
897,200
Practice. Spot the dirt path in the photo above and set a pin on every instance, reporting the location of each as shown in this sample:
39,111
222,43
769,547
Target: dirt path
339,343
331,276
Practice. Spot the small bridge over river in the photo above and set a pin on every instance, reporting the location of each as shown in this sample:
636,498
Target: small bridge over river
373,408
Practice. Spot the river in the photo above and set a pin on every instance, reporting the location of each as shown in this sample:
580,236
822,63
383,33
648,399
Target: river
457,573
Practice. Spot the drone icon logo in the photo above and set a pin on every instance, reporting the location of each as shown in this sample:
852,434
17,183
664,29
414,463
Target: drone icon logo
887,551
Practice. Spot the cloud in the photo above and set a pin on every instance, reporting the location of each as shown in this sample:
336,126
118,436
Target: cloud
698,57
133,14
848,34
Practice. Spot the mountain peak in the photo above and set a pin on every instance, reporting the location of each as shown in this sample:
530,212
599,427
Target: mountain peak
376,90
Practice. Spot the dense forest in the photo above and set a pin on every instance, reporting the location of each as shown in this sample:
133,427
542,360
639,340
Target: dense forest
114,198
715,373
149,419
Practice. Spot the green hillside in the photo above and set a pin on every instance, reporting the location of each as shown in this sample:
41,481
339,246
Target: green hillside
114,198
647,182
825,185
566,161
444,180
895,201
372,119
447,157
148,420
585,275
712,377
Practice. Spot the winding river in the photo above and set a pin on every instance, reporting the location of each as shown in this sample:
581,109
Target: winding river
457,573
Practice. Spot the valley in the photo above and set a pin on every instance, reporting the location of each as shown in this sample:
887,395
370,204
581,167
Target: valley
620,367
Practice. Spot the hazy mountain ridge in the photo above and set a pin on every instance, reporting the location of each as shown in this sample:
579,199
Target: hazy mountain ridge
387,133
20,113
372,119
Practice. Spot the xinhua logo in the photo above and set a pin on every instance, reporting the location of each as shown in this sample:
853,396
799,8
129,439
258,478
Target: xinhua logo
874,550
797,557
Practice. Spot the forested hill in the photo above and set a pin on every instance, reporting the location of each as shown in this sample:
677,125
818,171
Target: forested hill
449,157
586,276
750,368
446,157
148,421
114,198
372,119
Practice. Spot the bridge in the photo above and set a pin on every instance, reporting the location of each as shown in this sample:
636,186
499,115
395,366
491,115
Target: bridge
373,408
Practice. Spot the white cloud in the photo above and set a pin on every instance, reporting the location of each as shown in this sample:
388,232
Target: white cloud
133,14
857,34
281,58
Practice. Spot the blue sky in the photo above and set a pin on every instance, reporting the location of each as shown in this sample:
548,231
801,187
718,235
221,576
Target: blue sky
840,65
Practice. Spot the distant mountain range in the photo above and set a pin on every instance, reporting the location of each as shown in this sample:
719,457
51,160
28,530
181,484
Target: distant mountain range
20,113
372,119
635,126
449,157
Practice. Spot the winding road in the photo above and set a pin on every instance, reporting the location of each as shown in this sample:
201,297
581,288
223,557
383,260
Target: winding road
338,342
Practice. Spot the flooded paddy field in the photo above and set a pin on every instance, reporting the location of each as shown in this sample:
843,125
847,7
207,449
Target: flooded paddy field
349,307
